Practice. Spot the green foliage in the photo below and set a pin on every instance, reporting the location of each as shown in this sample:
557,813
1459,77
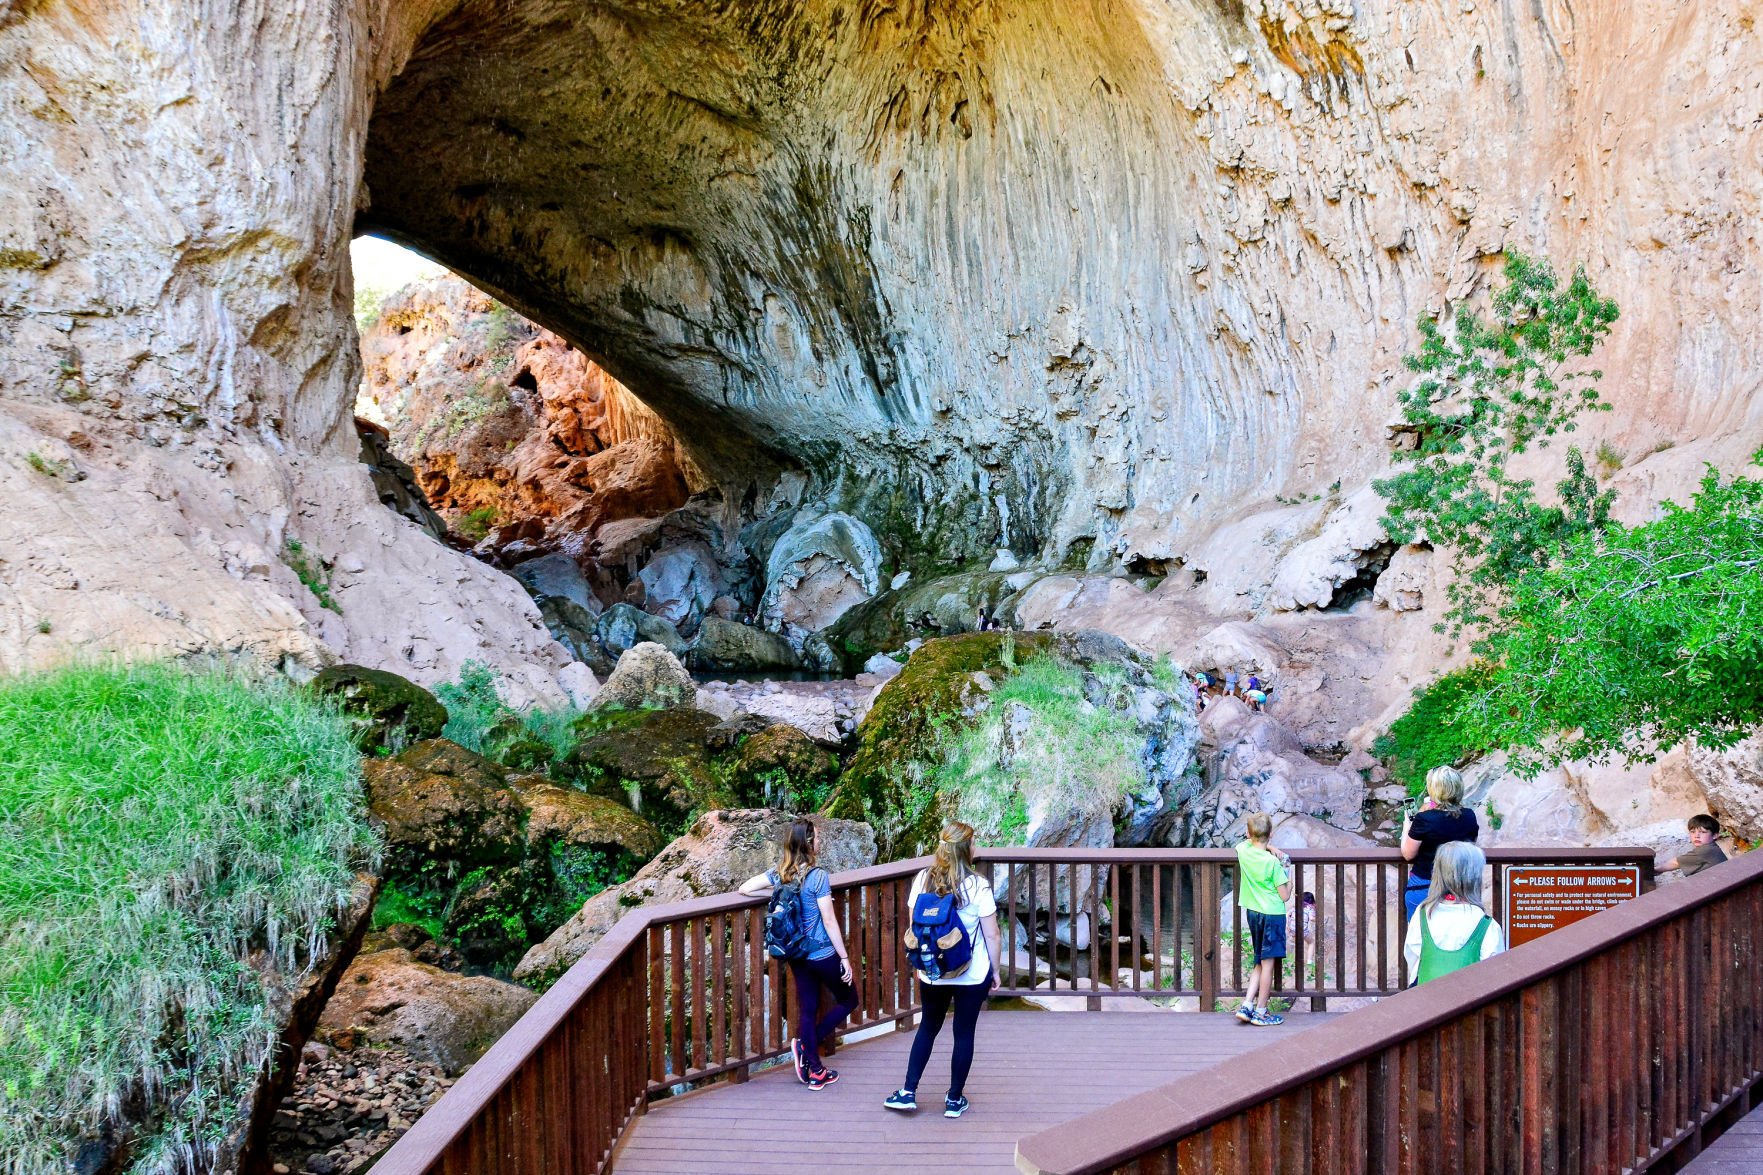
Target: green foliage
369,301
158,827
44,465
399,903
45,626
1635,639
313,574
474,525
503,335
1073,755
1488,390
1435,731
479,720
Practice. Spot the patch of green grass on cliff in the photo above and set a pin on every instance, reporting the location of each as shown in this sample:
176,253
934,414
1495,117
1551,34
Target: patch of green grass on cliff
161,831
891,782
1075,756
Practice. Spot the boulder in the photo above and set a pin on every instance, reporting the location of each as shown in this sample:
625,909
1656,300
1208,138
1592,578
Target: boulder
563,816
1732,779
623,625
557,576
388,712
1260,766
933,607
740,648
575,629
818,570
883,667
439,801
785,766
721,850
388,998
813,715
647,677
655,761
680,582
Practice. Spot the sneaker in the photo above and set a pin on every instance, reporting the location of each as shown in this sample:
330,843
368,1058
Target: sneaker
901,1099
954,1107
821,1078
798,1054
1246,1014
1267,1019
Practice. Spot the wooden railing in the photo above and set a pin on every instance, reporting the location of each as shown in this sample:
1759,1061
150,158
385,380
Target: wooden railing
681,994
1615,1044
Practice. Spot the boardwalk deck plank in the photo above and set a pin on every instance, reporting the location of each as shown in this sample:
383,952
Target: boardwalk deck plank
1739,1149
772,1120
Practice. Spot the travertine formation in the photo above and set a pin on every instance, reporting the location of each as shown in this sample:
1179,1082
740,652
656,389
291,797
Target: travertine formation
1089,283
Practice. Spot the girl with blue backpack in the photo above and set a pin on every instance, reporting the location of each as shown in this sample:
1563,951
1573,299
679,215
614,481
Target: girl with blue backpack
802,929
952,942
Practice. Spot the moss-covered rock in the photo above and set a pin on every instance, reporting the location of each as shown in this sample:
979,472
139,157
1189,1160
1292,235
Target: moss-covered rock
442,803
786,766
741,648
890,782
493,862
934,607
655,761
388,712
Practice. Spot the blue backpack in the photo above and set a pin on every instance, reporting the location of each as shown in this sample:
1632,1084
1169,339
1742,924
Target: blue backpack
786,926
937,942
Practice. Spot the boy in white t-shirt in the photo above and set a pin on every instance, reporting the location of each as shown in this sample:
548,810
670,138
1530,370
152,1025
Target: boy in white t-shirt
977,908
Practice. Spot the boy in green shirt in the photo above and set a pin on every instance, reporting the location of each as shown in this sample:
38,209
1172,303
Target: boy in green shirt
1265,874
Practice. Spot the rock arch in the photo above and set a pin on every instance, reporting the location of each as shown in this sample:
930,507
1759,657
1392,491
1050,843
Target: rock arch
1033,275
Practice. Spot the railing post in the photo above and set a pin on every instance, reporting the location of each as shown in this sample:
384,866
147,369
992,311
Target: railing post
1206,960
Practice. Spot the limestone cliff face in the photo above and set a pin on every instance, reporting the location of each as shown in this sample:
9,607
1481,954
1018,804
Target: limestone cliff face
1081,280
517,436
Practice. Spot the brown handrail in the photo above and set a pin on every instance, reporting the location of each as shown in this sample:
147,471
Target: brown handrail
1601,1047
683,993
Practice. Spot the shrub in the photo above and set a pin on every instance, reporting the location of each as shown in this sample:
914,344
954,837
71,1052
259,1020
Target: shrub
158,828
312,574
1435,730
479,720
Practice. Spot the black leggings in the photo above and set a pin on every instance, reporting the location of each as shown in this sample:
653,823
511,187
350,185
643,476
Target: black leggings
813,1027
968,999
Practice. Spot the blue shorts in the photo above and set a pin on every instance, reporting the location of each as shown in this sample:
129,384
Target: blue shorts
1267,935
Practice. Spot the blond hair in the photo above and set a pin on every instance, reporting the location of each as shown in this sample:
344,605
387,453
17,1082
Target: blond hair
1259,826
1456,872
954,861
1445,786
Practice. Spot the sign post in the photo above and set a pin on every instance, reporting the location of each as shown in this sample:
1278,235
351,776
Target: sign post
1541,898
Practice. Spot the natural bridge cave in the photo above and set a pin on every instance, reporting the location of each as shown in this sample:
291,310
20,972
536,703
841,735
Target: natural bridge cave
1098,285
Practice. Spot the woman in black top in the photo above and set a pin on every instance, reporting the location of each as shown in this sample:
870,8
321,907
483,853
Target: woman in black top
1441,820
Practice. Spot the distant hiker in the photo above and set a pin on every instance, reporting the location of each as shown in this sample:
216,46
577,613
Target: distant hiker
803,930
1230,681
1454,929
1265,880
1441,820
952,943
1254,697
1703,852
1308,909
1254,682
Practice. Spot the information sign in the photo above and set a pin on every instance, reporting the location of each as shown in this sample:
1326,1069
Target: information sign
1541,898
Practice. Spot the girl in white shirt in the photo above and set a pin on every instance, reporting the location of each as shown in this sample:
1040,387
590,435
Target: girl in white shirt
952,873
1452,929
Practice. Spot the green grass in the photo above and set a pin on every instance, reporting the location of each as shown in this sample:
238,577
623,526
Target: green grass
158,827
312,574
475,706
1076,756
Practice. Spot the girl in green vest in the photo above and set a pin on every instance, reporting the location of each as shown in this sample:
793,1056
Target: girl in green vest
1452,929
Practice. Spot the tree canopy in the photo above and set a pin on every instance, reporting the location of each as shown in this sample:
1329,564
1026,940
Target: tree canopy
1592,638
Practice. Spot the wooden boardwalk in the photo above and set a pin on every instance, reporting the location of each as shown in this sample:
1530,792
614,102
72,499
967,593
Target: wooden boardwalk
1737,1152
1031,1070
